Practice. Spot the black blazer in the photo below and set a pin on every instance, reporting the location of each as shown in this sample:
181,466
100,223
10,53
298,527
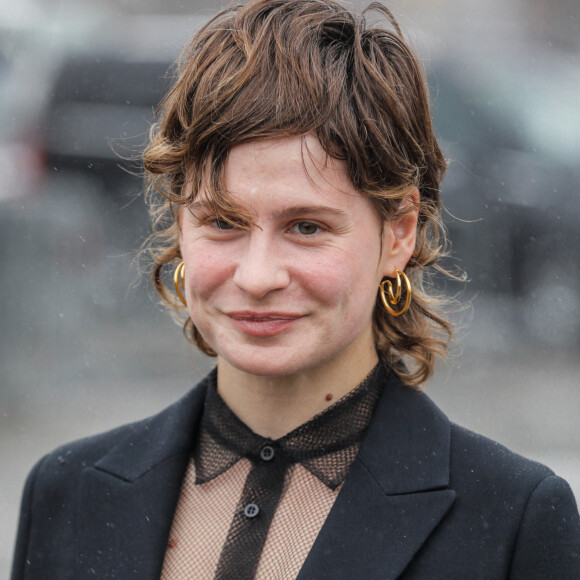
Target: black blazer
424,499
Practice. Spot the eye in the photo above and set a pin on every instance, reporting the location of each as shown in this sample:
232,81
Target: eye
222,224
306,228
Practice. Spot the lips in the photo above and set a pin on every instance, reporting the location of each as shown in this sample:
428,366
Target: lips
263,324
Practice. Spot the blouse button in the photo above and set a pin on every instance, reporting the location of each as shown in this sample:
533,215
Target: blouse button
267,453
251,510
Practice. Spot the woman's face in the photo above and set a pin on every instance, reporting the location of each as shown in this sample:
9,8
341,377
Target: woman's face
297,289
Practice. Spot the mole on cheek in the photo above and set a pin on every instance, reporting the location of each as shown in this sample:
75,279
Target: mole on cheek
328,397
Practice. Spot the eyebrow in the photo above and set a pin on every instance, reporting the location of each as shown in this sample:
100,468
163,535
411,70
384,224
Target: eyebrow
200,204
310,210
288,212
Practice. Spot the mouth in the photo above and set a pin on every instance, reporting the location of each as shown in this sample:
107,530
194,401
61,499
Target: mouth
263,324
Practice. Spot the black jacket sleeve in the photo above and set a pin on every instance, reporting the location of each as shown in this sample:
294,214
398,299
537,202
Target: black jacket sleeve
548,544
24,525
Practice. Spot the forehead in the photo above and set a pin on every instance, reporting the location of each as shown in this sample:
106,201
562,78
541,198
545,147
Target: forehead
296,169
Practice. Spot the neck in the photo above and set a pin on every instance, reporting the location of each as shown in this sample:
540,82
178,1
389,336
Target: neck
272,406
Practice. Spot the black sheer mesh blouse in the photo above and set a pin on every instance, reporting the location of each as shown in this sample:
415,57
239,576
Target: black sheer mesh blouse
251,507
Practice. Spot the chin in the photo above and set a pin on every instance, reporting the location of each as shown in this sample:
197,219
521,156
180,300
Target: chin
267,368
269,363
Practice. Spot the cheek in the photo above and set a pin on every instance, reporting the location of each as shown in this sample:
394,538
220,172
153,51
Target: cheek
204,271
347,283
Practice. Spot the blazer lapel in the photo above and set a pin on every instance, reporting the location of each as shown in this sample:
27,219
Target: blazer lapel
394,496
128,497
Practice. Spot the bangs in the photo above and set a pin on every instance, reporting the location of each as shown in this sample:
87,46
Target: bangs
282,69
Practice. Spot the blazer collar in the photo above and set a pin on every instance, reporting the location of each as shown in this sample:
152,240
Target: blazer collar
154,440
408,443
394,496
128,497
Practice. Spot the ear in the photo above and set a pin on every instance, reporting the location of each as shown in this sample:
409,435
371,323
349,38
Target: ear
399,236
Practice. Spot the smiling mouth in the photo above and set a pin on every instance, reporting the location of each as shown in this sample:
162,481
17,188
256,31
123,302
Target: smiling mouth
263,324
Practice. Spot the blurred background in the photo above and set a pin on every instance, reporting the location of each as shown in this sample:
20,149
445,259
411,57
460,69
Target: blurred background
84,347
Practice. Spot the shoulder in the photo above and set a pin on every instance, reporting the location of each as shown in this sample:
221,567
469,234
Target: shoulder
483,461
46,529
75,456
51,500
504,495
411,445
150,438
491,479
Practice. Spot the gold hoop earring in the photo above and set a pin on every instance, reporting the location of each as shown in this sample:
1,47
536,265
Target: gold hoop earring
179,281
389,298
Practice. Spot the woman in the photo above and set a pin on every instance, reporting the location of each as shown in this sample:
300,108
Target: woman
299,179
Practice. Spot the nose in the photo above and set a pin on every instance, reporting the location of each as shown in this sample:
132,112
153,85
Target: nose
261,269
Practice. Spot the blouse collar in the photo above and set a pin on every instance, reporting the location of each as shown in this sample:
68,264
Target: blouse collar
326,445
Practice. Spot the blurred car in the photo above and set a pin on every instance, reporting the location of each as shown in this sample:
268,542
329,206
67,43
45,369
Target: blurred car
78,90
514,175
102,101
98,118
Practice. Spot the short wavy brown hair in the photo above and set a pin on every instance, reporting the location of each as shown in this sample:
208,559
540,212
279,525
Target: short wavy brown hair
285,68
